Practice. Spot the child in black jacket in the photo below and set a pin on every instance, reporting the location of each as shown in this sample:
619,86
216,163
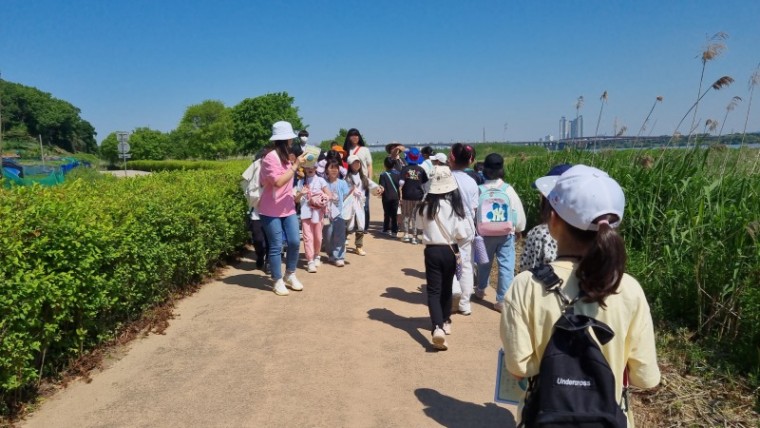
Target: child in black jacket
389,180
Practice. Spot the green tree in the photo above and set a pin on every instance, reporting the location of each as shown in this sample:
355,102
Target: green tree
340,138
39,113
204,131
252,119
148,144
109,149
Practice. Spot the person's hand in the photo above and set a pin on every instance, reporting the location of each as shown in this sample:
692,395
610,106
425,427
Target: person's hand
379,190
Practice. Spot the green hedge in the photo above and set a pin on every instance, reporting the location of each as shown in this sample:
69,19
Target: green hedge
79,260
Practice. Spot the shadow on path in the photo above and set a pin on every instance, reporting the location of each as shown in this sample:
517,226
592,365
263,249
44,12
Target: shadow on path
450,412
413,272
411,325
398,293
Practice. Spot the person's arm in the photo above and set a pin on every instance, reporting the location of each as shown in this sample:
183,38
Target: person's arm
290,172
516,204
643,370
368,157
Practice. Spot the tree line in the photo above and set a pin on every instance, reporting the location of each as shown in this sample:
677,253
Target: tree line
209,130
28,113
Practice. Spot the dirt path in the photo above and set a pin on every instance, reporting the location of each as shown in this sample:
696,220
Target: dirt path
351,350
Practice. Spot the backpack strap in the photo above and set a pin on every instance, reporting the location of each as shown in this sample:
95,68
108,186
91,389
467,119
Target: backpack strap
552,283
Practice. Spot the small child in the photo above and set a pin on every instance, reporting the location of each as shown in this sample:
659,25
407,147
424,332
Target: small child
313,193
359,183
413,179
390,180
335,230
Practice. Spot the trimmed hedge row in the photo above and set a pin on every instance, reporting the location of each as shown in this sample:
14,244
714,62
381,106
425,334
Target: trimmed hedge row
79,260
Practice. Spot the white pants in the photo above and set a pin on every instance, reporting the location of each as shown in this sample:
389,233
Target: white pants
464,287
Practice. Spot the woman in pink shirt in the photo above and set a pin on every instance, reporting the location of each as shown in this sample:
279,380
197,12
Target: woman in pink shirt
277,207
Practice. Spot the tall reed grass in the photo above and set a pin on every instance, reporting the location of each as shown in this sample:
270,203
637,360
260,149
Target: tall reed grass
691,230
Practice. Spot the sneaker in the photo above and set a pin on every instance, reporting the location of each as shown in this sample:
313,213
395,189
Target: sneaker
479,294
361,252
317,262
280,289
407,238
340,263
293,282
465,312
498,306
389,233
447,327
311,267
414,241
439,340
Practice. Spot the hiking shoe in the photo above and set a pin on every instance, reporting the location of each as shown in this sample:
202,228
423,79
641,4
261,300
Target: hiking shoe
407,238
479,294
293,282
361,252
340,263
498,306
439,340
447,327
280,289
311,267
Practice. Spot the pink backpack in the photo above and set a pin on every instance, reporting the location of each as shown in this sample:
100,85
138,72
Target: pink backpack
495,216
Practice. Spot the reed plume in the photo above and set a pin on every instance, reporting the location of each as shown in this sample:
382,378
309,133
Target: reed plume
721,83
622,131
729,108
754,80
712,49
643,125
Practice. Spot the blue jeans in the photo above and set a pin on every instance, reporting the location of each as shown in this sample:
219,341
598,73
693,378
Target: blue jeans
501,248
277,229
334,237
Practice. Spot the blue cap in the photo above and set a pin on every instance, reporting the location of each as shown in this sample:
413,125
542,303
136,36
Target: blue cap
555,170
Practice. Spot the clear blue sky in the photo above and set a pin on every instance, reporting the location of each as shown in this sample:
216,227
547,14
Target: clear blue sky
413,71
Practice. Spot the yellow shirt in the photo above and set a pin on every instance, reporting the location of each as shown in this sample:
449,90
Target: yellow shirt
530,313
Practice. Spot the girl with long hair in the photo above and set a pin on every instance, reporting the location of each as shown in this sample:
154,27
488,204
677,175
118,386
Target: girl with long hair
354,145
444,227
277,207
586,209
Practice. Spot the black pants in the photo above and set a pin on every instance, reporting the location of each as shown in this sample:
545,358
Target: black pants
440,267
390,216
259,240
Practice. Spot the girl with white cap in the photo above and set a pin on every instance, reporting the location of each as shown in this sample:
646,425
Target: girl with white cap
277,207
444,227
586,208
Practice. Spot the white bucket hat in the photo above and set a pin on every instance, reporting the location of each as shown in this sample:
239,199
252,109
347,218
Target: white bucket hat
442,181
583,193
282,130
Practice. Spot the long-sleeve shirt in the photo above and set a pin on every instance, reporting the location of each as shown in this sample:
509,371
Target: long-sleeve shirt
458,229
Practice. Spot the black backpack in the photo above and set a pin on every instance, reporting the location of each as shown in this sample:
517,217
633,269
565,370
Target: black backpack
575,386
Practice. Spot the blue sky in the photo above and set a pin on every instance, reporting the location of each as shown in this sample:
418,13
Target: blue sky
413,71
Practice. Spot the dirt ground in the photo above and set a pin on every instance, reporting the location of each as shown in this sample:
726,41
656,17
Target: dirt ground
351,350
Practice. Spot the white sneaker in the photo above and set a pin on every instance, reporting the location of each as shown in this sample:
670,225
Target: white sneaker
499,306
311,268
407,238
340,263
280,289
361,252
439,340
293,282
414,241
317,262
447,328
